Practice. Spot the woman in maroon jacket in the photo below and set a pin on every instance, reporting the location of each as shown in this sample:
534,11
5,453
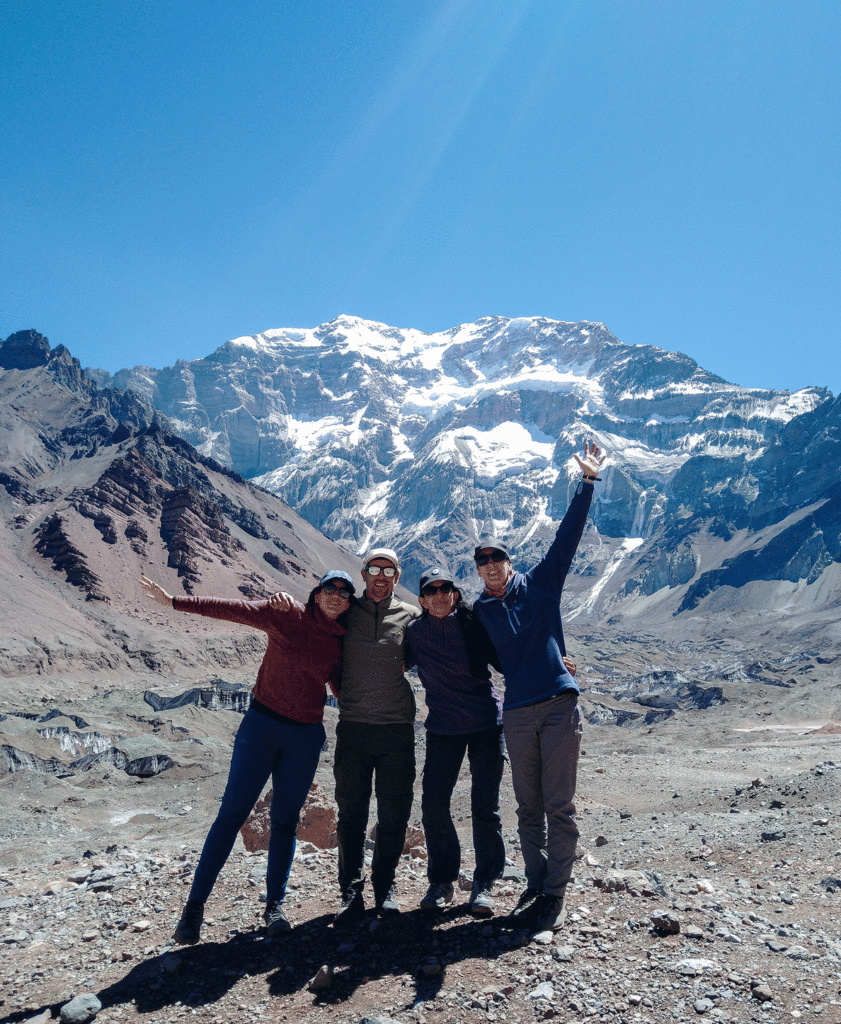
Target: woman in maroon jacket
280,736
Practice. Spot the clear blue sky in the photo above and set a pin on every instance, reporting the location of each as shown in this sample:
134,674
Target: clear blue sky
175,173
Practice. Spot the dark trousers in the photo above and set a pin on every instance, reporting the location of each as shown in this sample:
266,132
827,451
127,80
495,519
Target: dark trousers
263,747
444,757
382,756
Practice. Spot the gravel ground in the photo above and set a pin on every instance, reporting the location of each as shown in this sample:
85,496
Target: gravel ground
708,884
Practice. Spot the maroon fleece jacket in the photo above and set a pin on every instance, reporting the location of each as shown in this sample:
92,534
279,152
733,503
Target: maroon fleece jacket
304,652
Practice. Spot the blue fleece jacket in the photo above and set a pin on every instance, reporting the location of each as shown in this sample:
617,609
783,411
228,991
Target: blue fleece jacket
525,625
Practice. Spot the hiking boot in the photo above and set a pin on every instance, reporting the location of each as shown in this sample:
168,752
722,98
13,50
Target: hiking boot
548,913
351,910
481,902
387,905
276,920
438,895
524,905
188,929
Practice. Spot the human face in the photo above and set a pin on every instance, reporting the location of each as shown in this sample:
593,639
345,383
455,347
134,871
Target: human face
332,605
439,604
495,575
379,587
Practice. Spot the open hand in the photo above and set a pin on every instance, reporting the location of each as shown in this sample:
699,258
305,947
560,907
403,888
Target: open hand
156,591
282,602
592,460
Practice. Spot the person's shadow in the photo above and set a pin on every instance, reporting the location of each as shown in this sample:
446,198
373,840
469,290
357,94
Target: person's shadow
408,944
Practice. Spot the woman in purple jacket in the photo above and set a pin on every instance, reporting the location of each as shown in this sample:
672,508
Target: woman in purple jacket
452,652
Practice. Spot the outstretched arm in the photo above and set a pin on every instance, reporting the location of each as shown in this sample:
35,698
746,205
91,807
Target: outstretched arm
156,591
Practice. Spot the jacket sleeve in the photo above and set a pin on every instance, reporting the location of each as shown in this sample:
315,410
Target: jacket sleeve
551,571
248,613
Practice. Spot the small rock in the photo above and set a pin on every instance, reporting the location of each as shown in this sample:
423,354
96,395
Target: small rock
761,992
80,1009
57,886
141,926
695,966
544,990
543,938
322,980
666,921
798,953
41,1018
703,1005
601,841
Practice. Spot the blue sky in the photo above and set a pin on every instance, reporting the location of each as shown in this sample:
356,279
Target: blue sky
175,174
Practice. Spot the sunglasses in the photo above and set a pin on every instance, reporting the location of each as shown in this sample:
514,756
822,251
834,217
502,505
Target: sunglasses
431,589
374,570
334,588
494,556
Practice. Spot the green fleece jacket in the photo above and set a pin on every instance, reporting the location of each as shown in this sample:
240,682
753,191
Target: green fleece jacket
374,687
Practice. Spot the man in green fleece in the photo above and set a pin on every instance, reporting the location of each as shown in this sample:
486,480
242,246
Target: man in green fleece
375,738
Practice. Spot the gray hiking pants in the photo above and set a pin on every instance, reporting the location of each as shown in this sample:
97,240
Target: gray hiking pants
544,741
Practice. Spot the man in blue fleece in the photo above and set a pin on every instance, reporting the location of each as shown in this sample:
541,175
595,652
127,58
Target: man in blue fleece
541,718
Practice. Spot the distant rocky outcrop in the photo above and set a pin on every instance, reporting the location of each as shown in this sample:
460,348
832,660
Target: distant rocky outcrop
23,350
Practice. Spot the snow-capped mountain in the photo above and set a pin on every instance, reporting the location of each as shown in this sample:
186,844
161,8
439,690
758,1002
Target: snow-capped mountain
380,435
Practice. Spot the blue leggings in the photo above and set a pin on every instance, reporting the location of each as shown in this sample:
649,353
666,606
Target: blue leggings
263,747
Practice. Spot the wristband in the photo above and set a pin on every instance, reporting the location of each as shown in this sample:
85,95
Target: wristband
591,478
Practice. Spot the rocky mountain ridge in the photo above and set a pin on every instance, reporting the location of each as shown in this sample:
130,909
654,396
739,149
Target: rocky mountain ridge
716,497
95,489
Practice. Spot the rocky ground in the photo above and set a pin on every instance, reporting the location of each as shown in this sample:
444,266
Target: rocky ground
709,884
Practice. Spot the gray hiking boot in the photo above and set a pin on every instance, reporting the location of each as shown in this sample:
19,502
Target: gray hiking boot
548,913
387,905
481,902
438,895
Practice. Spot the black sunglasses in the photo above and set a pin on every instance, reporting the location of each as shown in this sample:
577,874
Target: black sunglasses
334,588
494,556
431,589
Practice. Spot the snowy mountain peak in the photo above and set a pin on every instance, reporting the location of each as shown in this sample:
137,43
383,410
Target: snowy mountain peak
378,434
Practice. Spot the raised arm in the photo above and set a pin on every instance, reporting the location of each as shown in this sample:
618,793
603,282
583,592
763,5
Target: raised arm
590,462
551,571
